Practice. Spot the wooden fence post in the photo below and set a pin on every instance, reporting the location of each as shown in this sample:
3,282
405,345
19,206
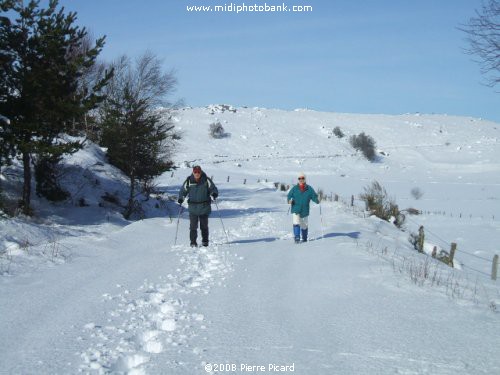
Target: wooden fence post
352,201
434,251
245,181
421,237
227,178
494,267
336,198
452,253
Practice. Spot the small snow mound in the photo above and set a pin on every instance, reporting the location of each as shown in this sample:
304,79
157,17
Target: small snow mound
156,298
167,309
150,335
168,325
128,363
89,326
153,347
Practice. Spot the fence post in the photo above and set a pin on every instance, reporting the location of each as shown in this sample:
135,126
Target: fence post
245,181
452,253
494,267
434,252
227,178
421,237
352,201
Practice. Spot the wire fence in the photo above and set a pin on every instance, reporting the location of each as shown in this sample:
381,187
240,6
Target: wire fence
356,206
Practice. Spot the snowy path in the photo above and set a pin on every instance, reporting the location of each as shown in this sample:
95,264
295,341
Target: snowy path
44,314
132,303
330,310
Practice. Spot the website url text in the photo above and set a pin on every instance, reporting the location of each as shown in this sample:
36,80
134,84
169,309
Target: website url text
241,8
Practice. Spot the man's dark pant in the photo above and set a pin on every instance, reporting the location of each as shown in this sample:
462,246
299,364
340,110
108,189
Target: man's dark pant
193,228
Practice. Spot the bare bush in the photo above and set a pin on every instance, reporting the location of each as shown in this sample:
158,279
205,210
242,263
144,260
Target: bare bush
417,193
338,132
377,201
217,130
413,211
365,144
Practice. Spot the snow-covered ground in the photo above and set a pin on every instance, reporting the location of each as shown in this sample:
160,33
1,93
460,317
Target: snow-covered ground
84,291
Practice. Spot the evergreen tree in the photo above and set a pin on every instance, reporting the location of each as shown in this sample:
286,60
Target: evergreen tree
5,149
6,64
43,62
133,132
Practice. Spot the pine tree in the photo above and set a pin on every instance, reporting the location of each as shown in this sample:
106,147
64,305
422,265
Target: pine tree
6,65
40,87
133,132
5,150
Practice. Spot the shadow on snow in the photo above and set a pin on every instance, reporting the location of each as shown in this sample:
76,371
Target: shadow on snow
228,213
353,235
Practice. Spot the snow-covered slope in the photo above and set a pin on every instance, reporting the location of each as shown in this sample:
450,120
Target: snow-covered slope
434,152
453,161
357,299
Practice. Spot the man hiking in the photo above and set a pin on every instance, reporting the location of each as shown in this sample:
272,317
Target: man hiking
200,190
299,198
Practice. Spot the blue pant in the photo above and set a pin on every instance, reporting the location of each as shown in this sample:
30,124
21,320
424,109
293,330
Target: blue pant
297,231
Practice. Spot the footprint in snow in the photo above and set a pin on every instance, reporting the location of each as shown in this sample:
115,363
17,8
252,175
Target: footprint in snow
130,364
150,342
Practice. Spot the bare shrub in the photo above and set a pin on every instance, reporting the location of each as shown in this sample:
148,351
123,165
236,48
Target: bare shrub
217,130
413,211
365,144
417,193
379,204
338,132
284,187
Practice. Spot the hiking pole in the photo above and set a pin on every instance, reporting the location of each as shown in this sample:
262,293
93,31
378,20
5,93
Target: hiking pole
321,218
177,226
220,217
169,214
288,212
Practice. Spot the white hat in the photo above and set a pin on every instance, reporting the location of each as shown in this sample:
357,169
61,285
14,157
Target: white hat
301,174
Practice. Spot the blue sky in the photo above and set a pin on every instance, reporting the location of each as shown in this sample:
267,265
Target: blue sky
382,56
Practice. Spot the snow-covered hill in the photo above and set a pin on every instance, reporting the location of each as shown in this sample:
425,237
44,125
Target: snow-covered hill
452,161
84,291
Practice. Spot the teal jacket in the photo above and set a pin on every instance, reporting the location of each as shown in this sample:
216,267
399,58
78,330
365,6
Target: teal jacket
198,194
301,199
